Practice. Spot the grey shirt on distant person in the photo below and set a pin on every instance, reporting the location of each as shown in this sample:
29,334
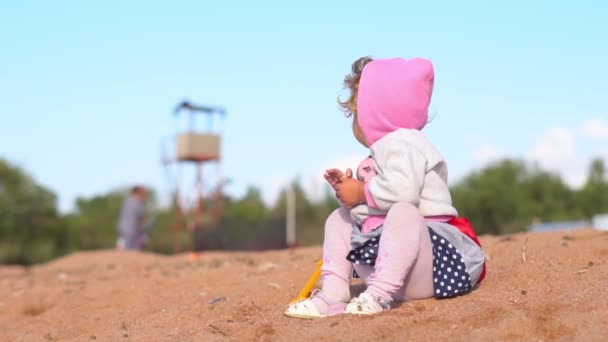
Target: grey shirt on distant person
131,223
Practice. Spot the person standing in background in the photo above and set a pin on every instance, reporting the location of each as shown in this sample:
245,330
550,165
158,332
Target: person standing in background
132,228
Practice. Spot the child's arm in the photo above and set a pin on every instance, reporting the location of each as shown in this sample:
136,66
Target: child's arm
401,170
351,192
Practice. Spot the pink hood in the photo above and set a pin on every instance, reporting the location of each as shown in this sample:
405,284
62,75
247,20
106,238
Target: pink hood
394,93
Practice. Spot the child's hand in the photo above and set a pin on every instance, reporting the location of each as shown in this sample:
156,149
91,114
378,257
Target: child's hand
350,192
335,176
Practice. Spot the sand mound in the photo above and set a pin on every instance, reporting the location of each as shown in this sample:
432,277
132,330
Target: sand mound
545,286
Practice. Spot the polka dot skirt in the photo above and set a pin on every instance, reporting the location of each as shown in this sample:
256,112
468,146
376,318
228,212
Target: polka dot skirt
365,254
450,277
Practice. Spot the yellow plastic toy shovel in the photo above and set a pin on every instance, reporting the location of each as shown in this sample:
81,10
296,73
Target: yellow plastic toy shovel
310,284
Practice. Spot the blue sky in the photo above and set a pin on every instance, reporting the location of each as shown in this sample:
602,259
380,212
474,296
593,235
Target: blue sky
87,88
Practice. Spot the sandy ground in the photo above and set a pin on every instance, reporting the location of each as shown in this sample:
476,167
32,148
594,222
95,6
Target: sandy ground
559,292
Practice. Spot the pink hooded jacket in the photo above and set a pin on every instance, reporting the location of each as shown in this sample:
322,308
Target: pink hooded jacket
392,107
394,93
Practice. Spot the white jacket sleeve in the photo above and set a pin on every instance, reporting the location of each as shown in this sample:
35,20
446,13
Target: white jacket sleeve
401,170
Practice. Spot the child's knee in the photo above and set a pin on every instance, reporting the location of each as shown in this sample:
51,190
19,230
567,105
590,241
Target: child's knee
403,214
404,208
338,216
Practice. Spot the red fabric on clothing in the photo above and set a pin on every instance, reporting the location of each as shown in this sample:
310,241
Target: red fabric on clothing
467,229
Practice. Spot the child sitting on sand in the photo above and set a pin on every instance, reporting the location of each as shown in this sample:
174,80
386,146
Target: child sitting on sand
397,226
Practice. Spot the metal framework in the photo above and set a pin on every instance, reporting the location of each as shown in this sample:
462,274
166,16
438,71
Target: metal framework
195,149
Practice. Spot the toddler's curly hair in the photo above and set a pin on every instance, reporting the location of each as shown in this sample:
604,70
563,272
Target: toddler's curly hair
351,81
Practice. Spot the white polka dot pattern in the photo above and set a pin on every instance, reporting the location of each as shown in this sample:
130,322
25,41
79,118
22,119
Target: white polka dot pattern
449,279
364,254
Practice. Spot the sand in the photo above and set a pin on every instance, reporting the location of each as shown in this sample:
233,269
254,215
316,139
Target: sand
540,286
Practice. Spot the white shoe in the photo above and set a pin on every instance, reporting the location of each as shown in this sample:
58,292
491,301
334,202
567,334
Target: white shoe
366,304
307,309
304,308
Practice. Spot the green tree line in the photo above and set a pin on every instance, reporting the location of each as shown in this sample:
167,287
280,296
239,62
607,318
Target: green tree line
502,198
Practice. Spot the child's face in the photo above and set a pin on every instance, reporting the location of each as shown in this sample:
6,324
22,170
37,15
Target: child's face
358,133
